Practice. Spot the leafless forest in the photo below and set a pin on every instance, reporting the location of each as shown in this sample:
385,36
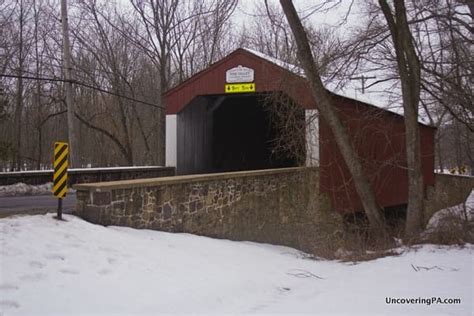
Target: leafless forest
124,55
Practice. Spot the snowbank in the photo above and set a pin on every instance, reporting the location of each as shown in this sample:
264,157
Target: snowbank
25,189
70,268
21,189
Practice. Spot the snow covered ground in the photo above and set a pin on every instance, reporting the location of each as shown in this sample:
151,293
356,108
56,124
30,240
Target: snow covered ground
49,267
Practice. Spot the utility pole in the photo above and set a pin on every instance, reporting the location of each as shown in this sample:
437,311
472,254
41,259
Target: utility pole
17,164
363,79
72,136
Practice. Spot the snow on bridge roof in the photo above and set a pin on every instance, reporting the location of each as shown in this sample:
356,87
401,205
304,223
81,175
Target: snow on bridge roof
380,99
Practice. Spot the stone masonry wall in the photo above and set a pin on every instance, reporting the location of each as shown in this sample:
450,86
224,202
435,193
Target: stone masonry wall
280,206
449,190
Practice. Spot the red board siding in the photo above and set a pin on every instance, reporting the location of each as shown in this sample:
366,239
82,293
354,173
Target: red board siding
380,142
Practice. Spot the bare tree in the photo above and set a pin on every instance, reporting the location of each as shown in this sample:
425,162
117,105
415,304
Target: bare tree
437,67
362,183
123,59
214,28
111,61
270,34
409,71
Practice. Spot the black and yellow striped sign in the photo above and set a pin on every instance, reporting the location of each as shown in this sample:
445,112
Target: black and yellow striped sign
60,164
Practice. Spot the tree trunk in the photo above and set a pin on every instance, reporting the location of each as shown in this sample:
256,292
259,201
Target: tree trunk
161,112
438,145
362,183
409,72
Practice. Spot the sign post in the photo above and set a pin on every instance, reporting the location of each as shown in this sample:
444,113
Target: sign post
61,153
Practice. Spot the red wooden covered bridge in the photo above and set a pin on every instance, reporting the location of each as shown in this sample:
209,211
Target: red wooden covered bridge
216,121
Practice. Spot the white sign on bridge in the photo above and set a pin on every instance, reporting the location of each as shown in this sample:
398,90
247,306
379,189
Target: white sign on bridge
239,74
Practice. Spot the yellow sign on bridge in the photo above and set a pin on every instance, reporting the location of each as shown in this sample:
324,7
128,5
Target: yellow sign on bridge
239,87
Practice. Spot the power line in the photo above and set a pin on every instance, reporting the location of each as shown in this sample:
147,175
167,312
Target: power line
83,85
77,71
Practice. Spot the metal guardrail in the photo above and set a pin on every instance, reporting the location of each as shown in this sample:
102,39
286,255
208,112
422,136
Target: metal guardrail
87,175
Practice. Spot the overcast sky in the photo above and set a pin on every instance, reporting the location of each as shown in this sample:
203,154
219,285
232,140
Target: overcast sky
331,15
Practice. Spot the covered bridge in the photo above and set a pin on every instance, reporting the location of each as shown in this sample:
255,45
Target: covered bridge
219,120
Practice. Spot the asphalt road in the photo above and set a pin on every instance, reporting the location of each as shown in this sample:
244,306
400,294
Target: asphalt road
35,204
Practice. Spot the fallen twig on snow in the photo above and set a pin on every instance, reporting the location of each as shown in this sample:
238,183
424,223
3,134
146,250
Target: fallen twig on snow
303,274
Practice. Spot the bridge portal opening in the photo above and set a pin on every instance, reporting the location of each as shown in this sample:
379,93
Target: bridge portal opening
236,132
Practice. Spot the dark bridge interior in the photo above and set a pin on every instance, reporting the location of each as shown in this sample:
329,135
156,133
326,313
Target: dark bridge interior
229,133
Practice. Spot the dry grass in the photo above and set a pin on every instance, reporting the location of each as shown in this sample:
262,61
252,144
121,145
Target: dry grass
362,244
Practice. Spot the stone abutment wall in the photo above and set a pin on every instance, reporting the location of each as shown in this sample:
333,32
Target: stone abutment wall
280,206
